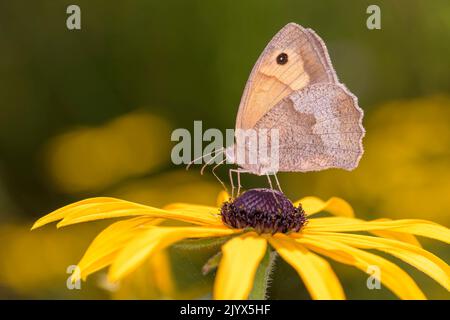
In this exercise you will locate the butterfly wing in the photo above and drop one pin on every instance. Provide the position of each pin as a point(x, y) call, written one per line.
point(321, 49)
point(270, 81)
point(319, 127)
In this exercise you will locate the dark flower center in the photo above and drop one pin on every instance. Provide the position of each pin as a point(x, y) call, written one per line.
point(265, 210)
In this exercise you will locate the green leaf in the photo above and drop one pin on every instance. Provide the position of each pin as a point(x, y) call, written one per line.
point(212, 263)
point(197, 244)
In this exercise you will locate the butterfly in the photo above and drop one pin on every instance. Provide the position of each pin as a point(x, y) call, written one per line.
point(294, 104)
point(293, 88)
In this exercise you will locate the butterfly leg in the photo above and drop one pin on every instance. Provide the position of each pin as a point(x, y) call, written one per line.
point(201, 158)
point(238, 173)
point(270, 181)
point(230, 173)
point(210, 161)
point(278, 182)
point(271, 187)
point(239, 182)
point(217, 177)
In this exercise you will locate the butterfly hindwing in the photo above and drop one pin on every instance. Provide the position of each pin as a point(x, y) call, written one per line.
point(319, 127)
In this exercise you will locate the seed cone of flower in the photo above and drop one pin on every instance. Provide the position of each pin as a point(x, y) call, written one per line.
point(265, 210)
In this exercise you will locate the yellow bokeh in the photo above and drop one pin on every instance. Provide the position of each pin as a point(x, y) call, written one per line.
point(91, 159)
point(33, 264)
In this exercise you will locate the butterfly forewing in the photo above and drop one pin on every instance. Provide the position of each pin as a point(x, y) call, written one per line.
point(270, 81)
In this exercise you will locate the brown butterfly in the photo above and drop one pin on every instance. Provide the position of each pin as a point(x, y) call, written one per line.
point(293, 88)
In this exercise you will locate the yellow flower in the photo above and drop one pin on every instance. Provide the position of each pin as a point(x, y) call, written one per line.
point(248, 238)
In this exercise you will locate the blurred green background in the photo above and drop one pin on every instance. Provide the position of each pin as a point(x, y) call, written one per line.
point(90, 112)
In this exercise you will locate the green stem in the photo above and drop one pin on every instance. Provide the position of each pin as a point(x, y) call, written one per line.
point(197, 244)
point(262, 276)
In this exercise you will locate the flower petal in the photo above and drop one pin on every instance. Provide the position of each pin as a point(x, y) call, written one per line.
point(415, 256)
point(160, 267)
point(323, 223)
point(153, 240)
point(317, 274)
point(222, 197)
point(212, 213)
point(237, 268)
point(411, 226)
point(62, 212)
point(103, 250)
point(393, 277)
point(103, 208)
point(400, 236)
point(334, 205)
